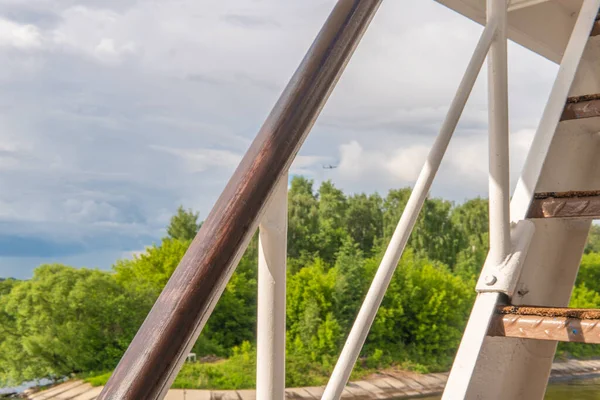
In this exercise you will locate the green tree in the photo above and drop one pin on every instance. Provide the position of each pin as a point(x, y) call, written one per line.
point(150, 271)
point(351, 284)
point(234, 317)
point(332, 206)
point(593, 244)
point(582, 297)
point(303, 218)
point(67, 320)
point(471, 219)
point(9, 335)
point(313, 332)
point(393, 206)
point(184, 225)
point(364, 220)
point(589, 272)
point(434, 235)
point(233, 320)
point(309, 299)
point(422, 315)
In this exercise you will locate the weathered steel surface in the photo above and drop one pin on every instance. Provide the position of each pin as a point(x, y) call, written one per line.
point(541, 323)
point(566, 205)
point(550, 312)
point(155, 356)
point(587, 106)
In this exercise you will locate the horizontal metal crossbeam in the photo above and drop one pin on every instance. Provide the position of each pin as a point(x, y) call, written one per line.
point(579, 107)
point(587, 106)
point(574, 204)
point(542, 323)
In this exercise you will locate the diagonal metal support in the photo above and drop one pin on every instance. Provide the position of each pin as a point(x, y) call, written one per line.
point(519, 369)
point(386, 269)
point(156, 354)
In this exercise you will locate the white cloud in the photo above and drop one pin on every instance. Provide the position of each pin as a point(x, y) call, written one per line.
point(114, 112)
point(465, 164)
point(19, 36)
point(405, 163)
point(401, 165)
point(305, 165)
point(108, 52)
point(198, 160)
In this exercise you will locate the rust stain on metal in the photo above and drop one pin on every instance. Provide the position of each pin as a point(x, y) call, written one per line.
point(585, 97)
point(547, 323)
point(569, 194)
point(574, 204)
point(546, 328)
point(578, 313)
point(578, 108)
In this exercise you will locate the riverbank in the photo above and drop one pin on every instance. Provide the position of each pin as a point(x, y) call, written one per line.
point(389, 384)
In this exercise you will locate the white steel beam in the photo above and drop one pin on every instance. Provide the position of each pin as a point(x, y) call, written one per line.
point(470, 346)
point(499, 190)
point(559, 160)
point(272, 252)
point(390, 260)
point(542, 140)
point(499, 177)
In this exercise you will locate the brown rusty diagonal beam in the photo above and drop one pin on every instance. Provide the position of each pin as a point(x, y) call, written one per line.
point(579, 107)
point(541, 323)
point(583, 204)
point(157, 352)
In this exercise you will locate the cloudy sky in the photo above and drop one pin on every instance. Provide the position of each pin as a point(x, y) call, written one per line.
point(114, 112)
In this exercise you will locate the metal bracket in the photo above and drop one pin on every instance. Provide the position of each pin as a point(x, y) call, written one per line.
point(503, 278)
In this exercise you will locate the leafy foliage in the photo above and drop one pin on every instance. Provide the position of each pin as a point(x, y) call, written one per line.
point(582, 297)
point(589, 272)
point(593, 245)
point(184, 225)
point(66, 320)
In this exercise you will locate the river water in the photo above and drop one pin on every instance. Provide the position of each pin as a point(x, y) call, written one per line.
point(578, 390)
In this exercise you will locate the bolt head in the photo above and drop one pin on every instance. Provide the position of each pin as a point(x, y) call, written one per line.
point(490, 280)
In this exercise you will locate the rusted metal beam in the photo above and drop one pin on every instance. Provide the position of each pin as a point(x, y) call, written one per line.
point(583, 204)
point(587, 106)
point(157, 352)
point(541, 323)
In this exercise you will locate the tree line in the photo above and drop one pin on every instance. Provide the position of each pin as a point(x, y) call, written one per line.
point(69, 320)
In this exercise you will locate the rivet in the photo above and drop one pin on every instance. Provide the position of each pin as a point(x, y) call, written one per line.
point(490, 280)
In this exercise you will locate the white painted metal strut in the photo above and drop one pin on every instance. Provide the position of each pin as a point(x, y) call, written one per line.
point(542, 140)
point(272, 253)
point(390, 260)
point(470, 346)
point(499, 192)
point(499, 178)
point(518, 369)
